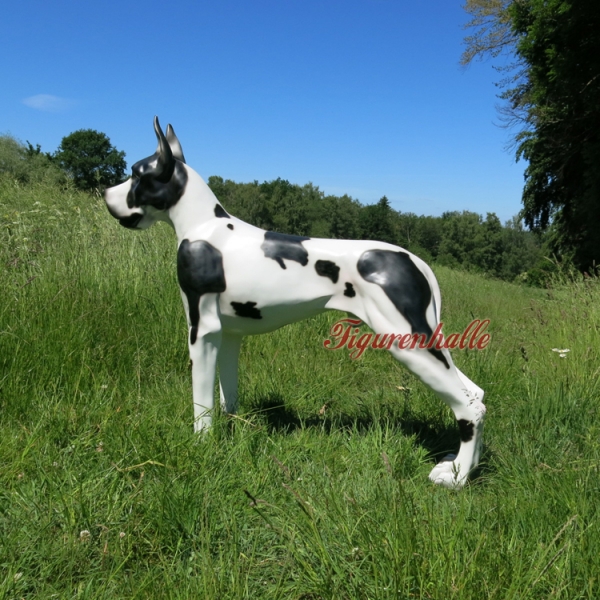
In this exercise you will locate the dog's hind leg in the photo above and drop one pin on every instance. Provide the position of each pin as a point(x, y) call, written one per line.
point(470, 417)
point(228, 371)
point(454, 388)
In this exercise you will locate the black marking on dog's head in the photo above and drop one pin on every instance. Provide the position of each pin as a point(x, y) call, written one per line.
point(404, 284)
point(248, 310)
point(327, 268)
point(466, 429)
point(280, 246)
point(221, 212)
point(349, 291)
point(199, 271)
point(230, 226)
point(160, 179)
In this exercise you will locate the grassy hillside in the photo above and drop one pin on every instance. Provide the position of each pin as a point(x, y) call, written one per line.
point(318, 489)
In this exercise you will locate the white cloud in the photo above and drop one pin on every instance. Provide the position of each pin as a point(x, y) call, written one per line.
point(48, 103)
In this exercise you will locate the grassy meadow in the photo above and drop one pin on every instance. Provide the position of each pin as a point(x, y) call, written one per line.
point(318, 489)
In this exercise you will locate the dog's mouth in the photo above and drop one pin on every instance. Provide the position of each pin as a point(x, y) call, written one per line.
point(131, 221)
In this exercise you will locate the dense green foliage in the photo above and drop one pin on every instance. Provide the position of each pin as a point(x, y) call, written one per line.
point(90, 159)
point(552, 93)
point(105, 492)
point(559, 42)
point(25, 163)
point(457, 239)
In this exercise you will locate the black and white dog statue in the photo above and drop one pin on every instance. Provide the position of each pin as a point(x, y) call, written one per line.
point(237, 280)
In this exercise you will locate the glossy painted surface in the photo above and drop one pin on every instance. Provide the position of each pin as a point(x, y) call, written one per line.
point(405, 286)
point(280, 246)
point(237, 280)
point(327, 268)
point(220, 212)
point(199, 271)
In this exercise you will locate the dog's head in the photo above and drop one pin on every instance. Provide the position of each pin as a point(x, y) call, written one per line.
point(156, 184)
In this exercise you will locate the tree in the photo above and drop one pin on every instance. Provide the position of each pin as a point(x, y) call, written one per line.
point(554, 98)
point(377, 221)
point(559, 40)
point(90, 159)
point(343, 214)
point(493, 33)
point(522, 252)
point(459, 244)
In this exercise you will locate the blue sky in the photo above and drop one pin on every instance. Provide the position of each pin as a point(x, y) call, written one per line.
point(364, 97)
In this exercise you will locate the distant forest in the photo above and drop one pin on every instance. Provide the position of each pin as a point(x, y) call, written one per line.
point(462, 240)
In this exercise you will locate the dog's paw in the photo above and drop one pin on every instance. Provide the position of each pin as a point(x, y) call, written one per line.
point(448, 473)
point(203, 424)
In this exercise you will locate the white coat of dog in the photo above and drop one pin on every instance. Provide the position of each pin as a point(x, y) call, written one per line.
point(237, 280)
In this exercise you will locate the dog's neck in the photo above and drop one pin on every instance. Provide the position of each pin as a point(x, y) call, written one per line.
point(195, 207)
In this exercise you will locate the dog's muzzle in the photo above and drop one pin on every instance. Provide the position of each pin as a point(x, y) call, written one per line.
point(116, 202)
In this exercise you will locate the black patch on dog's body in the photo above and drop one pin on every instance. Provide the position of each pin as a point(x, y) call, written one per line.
point(349, 291)
point(200, 271)
point(327, 268)
point(280, 246)
point(404, 285)
point(466, 429)
point(230, 226)
point(220, 212)
point(246, 310)
point(149, 187)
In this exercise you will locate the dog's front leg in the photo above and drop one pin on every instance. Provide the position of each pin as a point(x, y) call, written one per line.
point(204, 349)
point(228, 372)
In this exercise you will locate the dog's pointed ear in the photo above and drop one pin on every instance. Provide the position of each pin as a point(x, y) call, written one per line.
point(174, 144)
point(166, 161)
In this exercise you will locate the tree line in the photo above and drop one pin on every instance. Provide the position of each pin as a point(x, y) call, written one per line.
point(550, 93)
point(85, 157)
point(458, 239)
point(464, 240)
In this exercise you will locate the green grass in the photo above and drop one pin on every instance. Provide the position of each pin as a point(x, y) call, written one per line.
point(318, 489)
